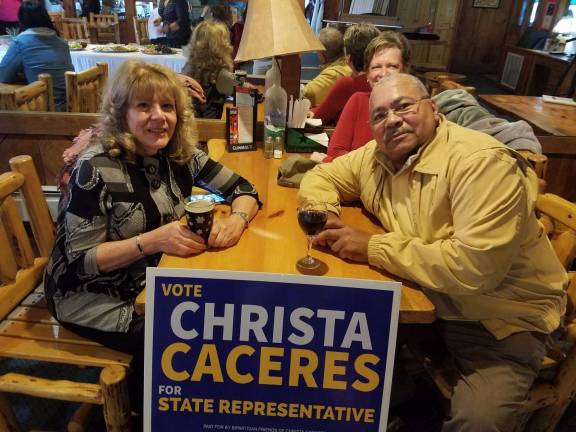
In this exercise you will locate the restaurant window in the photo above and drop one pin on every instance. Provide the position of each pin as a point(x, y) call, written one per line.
point(144, 8)
point(533, 13)
point(522, 15)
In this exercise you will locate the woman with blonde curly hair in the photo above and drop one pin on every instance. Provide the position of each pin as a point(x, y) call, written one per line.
point(122, 210)
point(210, 63)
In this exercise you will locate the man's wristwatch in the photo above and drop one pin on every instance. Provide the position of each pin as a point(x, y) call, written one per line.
point(243, 215)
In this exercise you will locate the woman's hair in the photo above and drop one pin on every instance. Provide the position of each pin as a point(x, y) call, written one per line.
point(356, 39)
point(209, 51)
point(33, 14)
point(389, 39)
point(222, 13)
point(135, 79)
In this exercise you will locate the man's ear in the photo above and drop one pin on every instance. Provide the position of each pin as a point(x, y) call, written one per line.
point(434, 108)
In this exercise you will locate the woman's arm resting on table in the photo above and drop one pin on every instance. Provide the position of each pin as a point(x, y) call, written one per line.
point(173, 238)
point(227, 231)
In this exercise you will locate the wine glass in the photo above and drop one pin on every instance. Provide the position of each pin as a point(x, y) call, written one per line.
point(312, 216)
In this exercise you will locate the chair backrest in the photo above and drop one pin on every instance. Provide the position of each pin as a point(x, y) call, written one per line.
point(84, 89)
point(106, 27)
point(21, 262)
point(75, 29)
point(539, 162)
point(141, 31)
point(445, 83)
point(558, 216)
point(36, 96)
point(56, 18)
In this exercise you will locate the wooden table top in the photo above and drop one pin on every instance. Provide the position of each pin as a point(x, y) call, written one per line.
point(548, 118)
point(274, 241)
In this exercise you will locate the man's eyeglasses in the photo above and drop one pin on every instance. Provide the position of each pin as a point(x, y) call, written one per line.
point(381, 117)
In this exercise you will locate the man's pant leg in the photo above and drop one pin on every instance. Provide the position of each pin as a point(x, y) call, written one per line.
point(495, 376)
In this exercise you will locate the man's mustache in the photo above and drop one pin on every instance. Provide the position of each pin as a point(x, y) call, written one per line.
point(390, 135)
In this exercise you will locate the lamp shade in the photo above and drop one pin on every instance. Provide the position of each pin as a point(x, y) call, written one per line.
point(566, 24)
point(275, 28)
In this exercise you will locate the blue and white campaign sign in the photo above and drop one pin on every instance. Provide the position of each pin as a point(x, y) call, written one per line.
point(267, 352)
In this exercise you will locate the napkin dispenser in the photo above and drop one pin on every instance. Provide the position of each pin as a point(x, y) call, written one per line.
point(298, 142)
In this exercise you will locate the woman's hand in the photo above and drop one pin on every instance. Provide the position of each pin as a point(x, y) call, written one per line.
point(174, 239)
point(194, 88)
point(226, 232)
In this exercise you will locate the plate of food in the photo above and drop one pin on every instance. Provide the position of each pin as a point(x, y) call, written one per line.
point(116, 48)
point(157, 50)
point(77, 45)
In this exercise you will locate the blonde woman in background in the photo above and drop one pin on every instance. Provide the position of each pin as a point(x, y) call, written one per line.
point(210, 63)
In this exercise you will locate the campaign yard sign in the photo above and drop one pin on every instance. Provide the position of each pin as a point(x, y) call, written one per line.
point(238, 351)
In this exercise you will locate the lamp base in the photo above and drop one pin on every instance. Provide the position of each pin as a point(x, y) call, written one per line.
point(290, 71)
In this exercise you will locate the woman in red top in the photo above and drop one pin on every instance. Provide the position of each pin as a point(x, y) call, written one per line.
point(386, 54)
point(356, 38)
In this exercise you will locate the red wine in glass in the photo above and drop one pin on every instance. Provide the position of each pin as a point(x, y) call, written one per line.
point(312, 216)
point(312, 221)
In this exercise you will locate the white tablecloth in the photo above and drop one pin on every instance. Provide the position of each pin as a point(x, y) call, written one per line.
point(87, 58)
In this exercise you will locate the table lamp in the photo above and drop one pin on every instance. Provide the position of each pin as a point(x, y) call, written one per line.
point(276, 28)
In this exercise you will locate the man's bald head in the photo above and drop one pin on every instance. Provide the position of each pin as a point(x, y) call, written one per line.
point(333, 41)
point(410, 80)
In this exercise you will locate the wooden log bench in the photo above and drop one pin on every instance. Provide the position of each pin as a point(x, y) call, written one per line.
point(27, 331)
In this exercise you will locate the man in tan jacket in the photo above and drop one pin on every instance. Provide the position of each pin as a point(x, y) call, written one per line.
point(458, 208)
point(333, 66)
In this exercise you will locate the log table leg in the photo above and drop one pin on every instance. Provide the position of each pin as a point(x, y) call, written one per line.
point(116, 401)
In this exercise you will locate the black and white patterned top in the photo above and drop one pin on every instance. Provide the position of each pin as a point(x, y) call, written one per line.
point(111, 199)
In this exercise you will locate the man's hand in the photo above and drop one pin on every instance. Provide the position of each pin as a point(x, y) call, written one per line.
point(318, 157)
point(344, 241)
point(194, 88)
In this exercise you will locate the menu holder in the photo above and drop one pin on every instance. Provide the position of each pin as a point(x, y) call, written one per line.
point(241, 120)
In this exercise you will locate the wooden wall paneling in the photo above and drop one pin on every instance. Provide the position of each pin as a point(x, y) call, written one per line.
point(479, 38)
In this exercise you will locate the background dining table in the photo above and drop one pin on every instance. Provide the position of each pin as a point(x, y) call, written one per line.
point(89, 56)
point(274, 241)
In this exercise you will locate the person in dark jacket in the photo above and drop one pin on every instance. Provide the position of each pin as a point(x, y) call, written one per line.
point(175, 22)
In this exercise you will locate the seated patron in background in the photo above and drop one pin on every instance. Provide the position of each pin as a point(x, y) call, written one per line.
point(390, 53)
point(333, 66)
point(210, 63)
point(386, 54)
point(175, 22)
point(36, 50)
point(458, 210)
point(123, 207)
point(356, 39)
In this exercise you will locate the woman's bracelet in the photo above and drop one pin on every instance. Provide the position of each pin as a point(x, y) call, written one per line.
point(243, 215)
point(139, 246)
